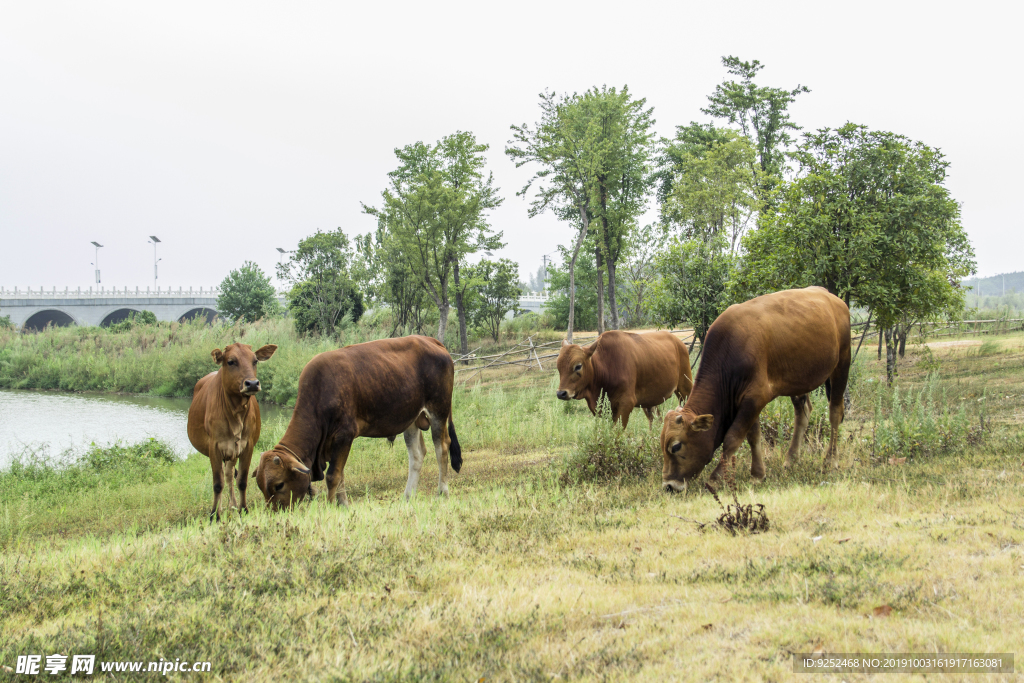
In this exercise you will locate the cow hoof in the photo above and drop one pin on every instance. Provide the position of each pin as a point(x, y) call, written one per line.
point(757, 477)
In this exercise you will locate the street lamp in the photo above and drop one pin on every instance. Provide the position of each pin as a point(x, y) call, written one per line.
point(154, 240)
point(96, 262)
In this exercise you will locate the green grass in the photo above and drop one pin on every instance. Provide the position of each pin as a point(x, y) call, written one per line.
point(524, 573)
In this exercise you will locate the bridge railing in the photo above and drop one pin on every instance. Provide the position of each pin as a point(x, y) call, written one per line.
point(112, 293)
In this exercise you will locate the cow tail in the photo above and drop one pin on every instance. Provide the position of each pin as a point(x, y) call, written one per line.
point(454, 449)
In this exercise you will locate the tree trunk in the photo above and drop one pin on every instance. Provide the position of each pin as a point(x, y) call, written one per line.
point(903, 339)
point(881, 332)
point(442, 325)
point(460, 307)
point(572, 272)
point(600, 290)
point(611, 295)
point(890, 354)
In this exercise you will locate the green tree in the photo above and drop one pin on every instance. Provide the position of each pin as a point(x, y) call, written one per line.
point(247, 294)
point(713, 190)
point(495, 293)
point(381, 270)
point(691, 283)
point(594, 156)
point(435, 210)
point(637, 273)
point(583, 306)
point(322, 293)
point(762, 114)
point(871, 221)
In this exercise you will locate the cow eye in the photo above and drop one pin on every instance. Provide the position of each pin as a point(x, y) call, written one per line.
point(232, 362)
point(579, 366)
point(279, 486)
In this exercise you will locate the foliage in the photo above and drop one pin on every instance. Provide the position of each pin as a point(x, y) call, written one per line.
point(434, 216)
point(134, 319)
point(762, 113)
point(870, 220)
point(607, 452)
point(920, 423)
point(713, 189)
point(691, 283)
point(382, 271)
point(322, 293)
point(593, 151)
point(495, 293)
point(583, 307)
point(637, 274)
point(247, 294)
point(5, 323)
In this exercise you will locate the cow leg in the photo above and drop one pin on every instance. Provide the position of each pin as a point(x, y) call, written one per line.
point(336, 474)
point(229, 479)
point(738, 431)
point(217, 465)
point(243, 477)
point(756, 451)
point(622, 408)
point(439, 435)
point(802, 418)
point(650, 416)
point(417, 449)
point(836, 408)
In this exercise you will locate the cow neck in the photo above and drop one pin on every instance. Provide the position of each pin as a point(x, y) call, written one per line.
point(597, 380)
point(302, 437)
point(235, 403)
point(711, 396)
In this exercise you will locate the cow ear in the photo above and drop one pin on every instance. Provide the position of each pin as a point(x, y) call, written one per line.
point(218, 357)
point(590, 349)
point(265, 352)
point(277, 459)
point(565, 342)
point(702, 423)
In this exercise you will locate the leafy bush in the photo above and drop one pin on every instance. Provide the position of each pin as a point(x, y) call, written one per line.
point(247, 294)
point(117, 456)
point(918, 425)
point(5, 323)
point(607, 452)
point(193, 366)
point(134, 319)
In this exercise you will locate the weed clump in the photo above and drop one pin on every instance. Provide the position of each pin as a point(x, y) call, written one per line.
point(607, 452)
point(751, 519)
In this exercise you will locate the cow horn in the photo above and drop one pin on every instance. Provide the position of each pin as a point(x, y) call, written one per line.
point(277, 459)
point(300, 469)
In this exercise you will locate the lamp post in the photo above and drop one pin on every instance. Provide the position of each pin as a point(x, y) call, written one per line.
point(154, 240)
point(96, 262)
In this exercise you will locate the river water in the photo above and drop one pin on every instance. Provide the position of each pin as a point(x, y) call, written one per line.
point(61, 426)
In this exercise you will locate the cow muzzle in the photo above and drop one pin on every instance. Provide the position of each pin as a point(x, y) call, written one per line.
point(674, 486)
point(250, 386)
point(562, 395)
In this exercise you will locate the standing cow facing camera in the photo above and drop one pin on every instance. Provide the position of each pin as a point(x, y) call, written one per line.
point(224, 418)
point(634, 370)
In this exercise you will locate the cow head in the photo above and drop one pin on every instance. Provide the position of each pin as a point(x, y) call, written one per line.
point(282, 478)
point(575, 369)
point(686, 444)
point(238, 366)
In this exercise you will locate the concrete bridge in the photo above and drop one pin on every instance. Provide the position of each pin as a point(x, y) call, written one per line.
point(34, 309)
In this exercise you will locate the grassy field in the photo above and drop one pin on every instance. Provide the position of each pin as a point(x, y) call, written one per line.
point(524, 573)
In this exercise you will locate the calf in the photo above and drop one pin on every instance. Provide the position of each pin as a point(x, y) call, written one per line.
point(224, 418)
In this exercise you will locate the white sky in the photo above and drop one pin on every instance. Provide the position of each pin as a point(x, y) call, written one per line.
point(229, 129)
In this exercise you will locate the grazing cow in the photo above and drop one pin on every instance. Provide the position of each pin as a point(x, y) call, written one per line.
point(782, 344)
point(224, 418)
point(377, 389)
point(631, 369)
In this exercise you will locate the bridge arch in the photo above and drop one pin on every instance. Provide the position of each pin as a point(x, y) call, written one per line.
point(199, 312)
point(49, 316)
point(118, 315)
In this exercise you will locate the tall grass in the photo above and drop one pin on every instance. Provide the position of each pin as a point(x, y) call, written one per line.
point(165, 359)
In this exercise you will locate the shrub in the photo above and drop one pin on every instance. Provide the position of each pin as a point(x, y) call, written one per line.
point(918, 425)
point(247, 294)
point(139, 319)
point(607, 452)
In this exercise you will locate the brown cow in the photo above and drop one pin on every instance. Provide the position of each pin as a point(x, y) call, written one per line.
point(631, 369)
point(782, 344)
point(224, 418)
point(377, 389)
